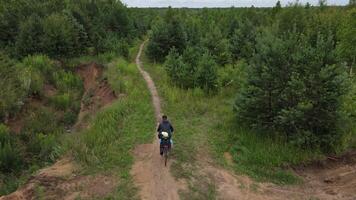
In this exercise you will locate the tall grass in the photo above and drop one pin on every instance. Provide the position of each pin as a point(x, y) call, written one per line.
point(106, 146)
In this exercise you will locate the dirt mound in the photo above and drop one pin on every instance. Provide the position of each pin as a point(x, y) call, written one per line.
point(60, 182)
point(97, 91)
point(332, 178)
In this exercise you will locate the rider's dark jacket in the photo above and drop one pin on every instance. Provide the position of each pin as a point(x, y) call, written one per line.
point(165, 126)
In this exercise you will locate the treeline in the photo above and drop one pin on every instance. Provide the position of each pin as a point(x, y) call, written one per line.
point(297, 63)
point(64, 28)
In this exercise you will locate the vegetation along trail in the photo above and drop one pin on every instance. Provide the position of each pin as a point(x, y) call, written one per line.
point(149, 172)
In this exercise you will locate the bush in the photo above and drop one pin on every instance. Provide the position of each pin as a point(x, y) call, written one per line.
point(165, 35)
point(41, 120)
point(61, 101)
point(207, 74)
point(69, 117)
point(43, 147)
point(4, 134)
point(113, 43)
point(10, 158)
point(12, 90)
point(181, 73)
point(188, 72)
point(231, 75)
point(28, 41)
point(37, 70)
point(40, 63)
point(63, 36)
point(116, 77)
point(65, 81)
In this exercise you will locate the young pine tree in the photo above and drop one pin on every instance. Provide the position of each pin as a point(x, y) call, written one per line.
point(294, 88)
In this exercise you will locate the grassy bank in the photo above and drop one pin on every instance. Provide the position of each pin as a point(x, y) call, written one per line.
point(105, 147)
point(206, 125)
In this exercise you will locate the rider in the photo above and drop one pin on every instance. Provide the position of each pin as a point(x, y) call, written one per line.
point(165, 126)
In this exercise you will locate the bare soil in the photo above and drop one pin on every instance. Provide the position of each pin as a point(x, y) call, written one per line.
point(97, 92)
point(60, 181)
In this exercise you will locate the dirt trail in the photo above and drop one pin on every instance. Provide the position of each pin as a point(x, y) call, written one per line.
point(151, 176)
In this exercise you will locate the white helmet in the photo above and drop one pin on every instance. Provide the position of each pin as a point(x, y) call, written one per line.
point(165, 134)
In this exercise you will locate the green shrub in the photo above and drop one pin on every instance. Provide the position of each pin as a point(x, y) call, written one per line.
point(69, 117)
point(113, 43)
point(43, 147)
point(10, 158)
point(165, 35)
point(61, 101)
point(115, 76)
point(207, 74)
point(180, 72)
point(232, 75)
point(37, 70)
point(4, 134)
point(41, 120)
point(41, 64)
point(63, 36)
point(12, 90)
point(28, 41)
point(65, 81)
point(189, 72)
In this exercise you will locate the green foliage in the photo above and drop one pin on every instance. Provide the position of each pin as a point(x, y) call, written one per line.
point(37, 70)
point(165, 35)
point(12, 87)
point(10, 158)
point(188, 71)
point(41, 120)
point(114, 76)
point(62, 28)
point(346, 46)
point(66, 81)
point(28, 40)
point(180, 72)
point(115, 44)
point(43, 147)
point(61, 36)
point(4, 134)
point(218, 46)
point(61, 101)
point(207, 73)
point(233, 75)
point(295, 88)
point(243, 41)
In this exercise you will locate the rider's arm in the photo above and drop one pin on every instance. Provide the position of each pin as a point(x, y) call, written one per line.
point(159, 128)
point(172, 130)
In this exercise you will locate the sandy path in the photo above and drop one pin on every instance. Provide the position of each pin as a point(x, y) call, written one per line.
point(150, 175)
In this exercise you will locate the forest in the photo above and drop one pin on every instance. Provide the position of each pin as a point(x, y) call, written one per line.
point(288, 74)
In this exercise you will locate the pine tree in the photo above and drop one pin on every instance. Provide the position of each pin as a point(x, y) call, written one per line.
point(295, 88)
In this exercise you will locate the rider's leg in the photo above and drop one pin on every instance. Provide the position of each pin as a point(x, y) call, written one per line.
point(160, 149)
